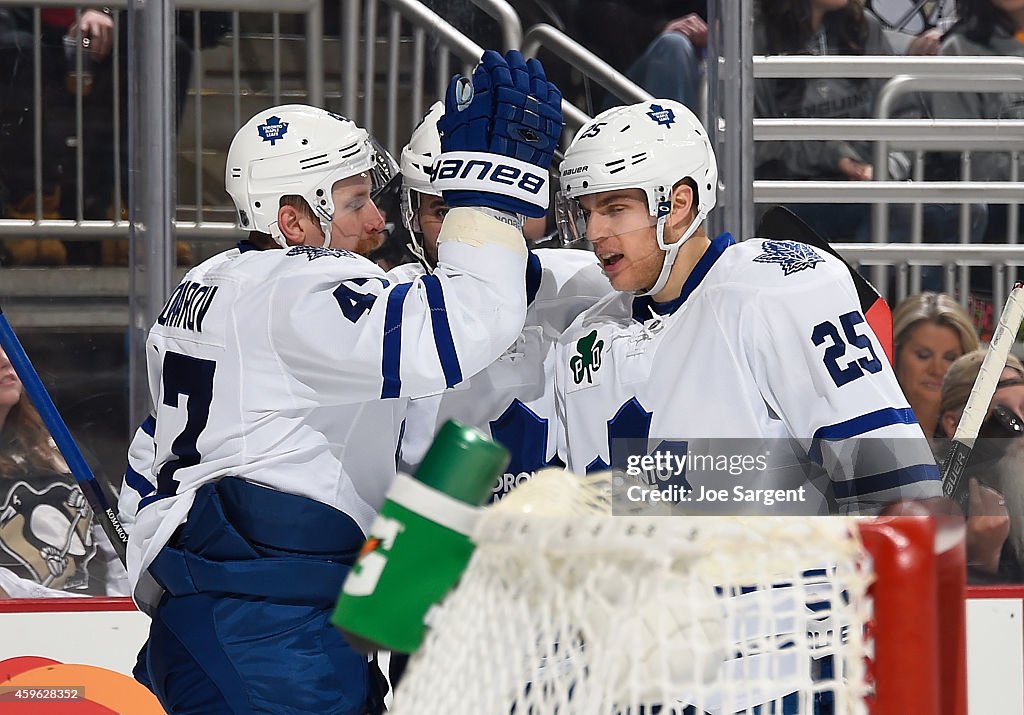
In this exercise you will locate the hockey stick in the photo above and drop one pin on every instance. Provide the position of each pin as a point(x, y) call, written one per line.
point(80, 470)
point(779, 223)
point(954, 485)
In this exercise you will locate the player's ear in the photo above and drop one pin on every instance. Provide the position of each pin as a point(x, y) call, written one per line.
point(289, 220)
point(682, 202)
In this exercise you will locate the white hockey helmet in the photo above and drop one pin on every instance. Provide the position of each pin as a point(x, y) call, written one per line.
point(650, 146)
point(416, 163)
point(296, 149)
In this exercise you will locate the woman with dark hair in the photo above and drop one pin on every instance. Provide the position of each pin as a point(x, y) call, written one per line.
point(49, 542)
point(833, 27)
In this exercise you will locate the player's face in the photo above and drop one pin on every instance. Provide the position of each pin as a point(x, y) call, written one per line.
point(10, 387)
point(358, 225)
point(923, 360)
point(432, 210)
point(622, 231)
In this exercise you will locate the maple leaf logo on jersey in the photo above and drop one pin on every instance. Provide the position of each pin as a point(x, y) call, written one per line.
point(273, 130)
point(588, 361)
point(793, 257)
point(314, 252)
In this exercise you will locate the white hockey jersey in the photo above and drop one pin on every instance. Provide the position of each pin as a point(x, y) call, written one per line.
point(765, 349)
point(513, 399)
point(292, 369)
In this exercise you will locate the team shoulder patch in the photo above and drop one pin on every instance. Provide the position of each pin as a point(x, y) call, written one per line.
point(791, 256)
point(314, 252)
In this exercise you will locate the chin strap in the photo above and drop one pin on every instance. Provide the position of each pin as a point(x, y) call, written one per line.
point(416, 248)
point(275, 233)
point(671, 249)
point(327, 233)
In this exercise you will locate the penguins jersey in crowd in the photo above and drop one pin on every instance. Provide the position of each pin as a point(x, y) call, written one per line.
point(766, 345)
point(513, 399)
point(292, 369)
point(48, 534)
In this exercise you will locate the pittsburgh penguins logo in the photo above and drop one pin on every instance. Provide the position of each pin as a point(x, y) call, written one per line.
point(44, 534)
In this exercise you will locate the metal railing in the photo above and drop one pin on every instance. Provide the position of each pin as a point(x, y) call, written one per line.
point(426, 24)
point(79, 228)
point(566, 48)
point(508, 18)
point(905, 75)
point(412, 39)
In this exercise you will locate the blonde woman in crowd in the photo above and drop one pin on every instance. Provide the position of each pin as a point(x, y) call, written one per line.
point(930, 331)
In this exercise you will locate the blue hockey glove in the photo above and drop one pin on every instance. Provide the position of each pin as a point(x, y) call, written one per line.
point(498, 133)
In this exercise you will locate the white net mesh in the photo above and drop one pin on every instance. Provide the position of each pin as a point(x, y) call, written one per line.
point(600, 614)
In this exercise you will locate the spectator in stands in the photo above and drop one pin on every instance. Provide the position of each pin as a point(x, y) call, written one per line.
point(99, 200)
point(673, 32)
point(834, 27)
point(995, 538)
point(985, 28)
point(930, 331)
point(49, 543)
point(914, 27)
point(95, 28)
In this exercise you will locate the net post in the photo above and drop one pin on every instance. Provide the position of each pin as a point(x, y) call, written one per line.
point(905, 667)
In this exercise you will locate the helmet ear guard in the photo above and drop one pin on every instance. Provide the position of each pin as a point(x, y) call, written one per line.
point(650, 146)
point(300, 150)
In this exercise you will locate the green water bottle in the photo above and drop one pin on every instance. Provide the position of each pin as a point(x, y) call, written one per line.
point(419, 545)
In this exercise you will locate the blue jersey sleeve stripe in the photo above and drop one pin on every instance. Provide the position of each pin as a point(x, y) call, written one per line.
point(146, 501)
point(149, 425)
point(888, 480)
point(859, 425)
point(138, 482)
point(534, 274)
point(442, 331)
point(391, 357)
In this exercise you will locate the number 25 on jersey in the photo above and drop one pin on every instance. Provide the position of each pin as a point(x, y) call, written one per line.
point(837, 344)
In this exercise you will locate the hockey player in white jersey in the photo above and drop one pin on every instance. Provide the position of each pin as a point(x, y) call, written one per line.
point(710, 342)
point(280, 380)
point(512, 399)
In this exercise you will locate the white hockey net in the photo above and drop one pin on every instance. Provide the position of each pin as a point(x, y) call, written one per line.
point(603, 614)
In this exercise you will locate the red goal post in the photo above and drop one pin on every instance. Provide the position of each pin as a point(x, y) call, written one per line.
point(918, 627)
